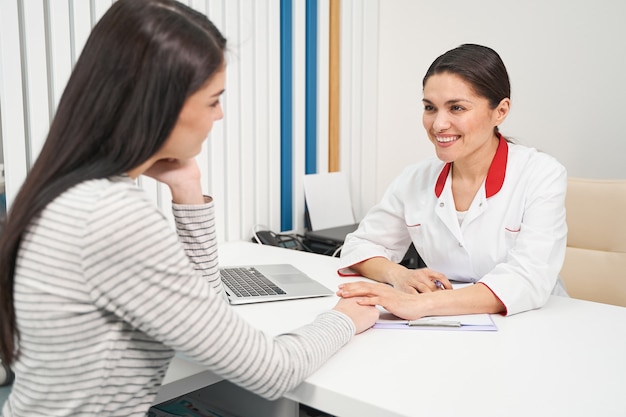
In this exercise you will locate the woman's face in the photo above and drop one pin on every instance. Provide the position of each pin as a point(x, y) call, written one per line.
point(459, 122)
point(195, 120)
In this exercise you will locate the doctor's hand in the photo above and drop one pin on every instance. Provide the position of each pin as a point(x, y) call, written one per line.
point(399, 303)
point(407, 280)
point(181, 176)
point(418, 280)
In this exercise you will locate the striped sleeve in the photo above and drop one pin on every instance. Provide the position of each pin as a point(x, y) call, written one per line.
point(195, 225)
point(168, 287)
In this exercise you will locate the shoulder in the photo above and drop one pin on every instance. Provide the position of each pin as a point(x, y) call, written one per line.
point(531, 159)
point(96, 189)
point(536, 169)
point(96, 198)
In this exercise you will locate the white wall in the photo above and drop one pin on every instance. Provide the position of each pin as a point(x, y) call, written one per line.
point(566, 62)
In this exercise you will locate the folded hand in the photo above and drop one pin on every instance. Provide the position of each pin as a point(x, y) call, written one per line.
point(400, 303)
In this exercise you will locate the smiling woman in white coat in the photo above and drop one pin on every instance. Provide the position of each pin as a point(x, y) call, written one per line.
point(484, 211)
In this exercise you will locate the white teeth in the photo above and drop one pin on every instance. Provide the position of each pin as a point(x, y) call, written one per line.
point(447, 139)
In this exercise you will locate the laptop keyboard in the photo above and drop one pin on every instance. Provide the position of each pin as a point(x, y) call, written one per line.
point(249, 282)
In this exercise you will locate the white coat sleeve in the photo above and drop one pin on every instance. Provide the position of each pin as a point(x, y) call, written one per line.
point(528, 276)
point(383, 231)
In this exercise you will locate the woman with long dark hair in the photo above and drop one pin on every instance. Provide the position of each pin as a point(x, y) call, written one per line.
point(96, 291)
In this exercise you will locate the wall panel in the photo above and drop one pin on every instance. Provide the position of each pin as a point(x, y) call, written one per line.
point(299, 109)
point(59, 48)
point(12, 111)
point(359, 101)
point(323, 80)
point(37, 80)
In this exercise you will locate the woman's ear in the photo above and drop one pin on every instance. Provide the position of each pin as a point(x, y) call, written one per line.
point(502, 110)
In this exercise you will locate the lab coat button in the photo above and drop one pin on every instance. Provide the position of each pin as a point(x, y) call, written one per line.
point(441, 204)
point(460, 245)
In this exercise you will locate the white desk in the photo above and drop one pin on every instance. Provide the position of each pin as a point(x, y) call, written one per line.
point(566, 359)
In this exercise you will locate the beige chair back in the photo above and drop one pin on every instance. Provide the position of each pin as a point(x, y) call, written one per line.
point(595, 260)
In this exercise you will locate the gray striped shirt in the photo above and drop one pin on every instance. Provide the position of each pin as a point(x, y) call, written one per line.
point(105, 292)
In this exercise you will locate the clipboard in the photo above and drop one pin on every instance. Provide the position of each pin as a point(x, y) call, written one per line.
point(465, 322)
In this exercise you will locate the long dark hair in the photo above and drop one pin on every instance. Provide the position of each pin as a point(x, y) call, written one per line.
point(478, 65)
point(141, 61)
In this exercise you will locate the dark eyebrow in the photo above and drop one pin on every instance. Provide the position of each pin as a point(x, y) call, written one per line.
point(449, 102)
point(219, 93)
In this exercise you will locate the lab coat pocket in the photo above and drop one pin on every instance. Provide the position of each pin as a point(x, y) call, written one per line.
point(417, 230)
point(510, 236)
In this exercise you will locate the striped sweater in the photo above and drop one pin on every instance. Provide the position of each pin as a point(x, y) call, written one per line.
point(106, 292)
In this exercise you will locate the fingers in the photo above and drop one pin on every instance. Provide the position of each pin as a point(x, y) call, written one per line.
point(441, 283)
point(368, 289)
point(427, 280)
point(434, 285)
point(437, 277)
point(361, 289)
point(367, 301)
point(375, 294)
point(427, 286)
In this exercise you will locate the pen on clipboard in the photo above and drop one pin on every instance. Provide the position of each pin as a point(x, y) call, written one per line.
point(434, 322)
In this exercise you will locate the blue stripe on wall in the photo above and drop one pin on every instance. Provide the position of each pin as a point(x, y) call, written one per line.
point(286, 104)
point(286, 120)
point(311, 88)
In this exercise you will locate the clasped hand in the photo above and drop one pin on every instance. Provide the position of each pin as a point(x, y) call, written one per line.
point(404, 294)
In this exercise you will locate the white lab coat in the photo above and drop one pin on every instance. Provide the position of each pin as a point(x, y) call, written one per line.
point(512, 238)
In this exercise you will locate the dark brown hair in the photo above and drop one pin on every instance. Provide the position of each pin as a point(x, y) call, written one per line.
point(479, 66)
point(142, 60)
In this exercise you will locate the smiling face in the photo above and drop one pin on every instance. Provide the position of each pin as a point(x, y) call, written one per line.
point(459, 122)
point(195, 120)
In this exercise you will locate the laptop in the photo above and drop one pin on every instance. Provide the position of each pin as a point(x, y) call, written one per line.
point(261, 283)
